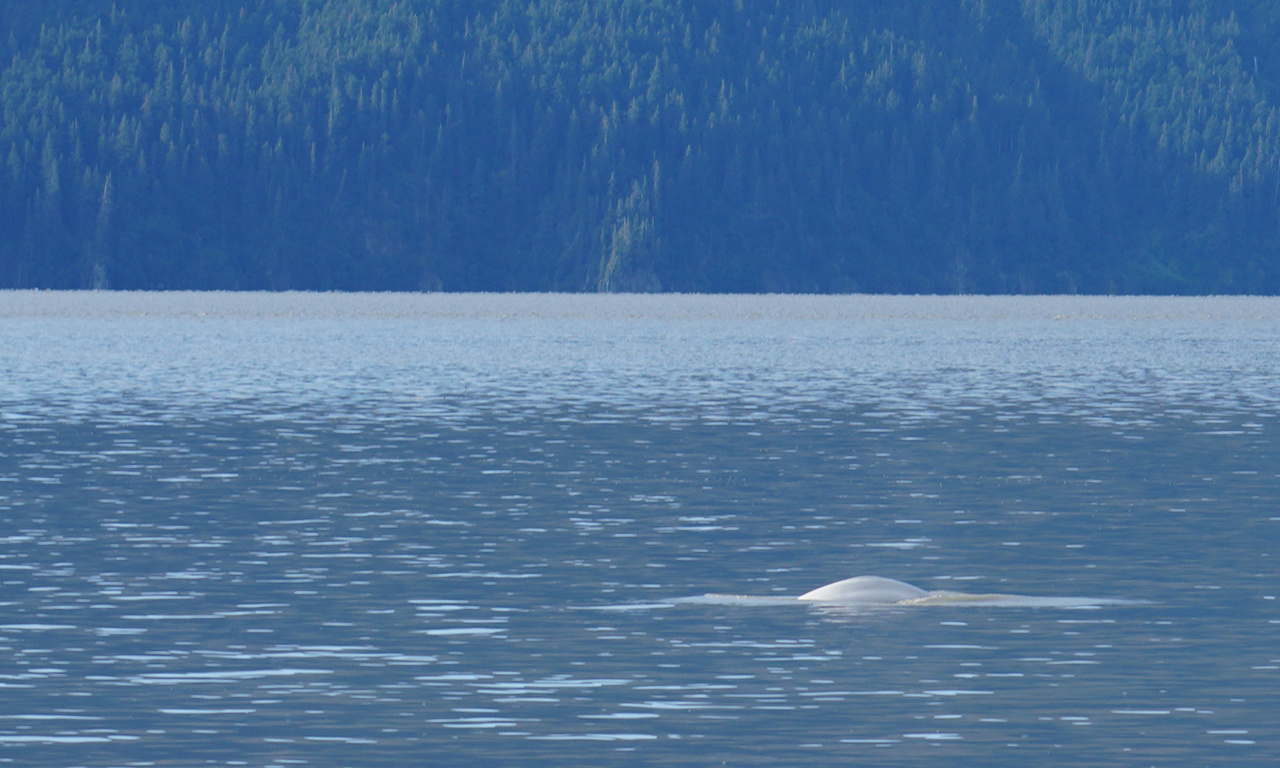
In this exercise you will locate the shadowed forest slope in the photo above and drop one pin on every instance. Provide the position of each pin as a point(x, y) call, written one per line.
point(993, 146)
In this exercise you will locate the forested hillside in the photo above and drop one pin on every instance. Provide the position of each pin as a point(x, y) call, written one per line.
point(638, 145)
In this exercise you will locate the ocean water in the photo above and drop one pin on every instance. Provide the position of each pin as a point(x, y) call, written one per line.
point(386, 530)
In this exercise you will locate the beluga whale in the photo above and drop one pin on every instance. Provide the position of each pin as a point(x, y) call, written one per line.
point(866, 594)
point(865, 590)
point(872, 591)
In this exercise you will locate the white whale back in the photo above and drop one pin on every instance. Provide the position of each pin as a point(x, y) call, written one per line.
point(866, 590)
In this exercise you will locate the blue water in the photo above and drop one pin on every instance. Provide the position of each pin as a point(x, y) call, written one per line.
point(329, 530)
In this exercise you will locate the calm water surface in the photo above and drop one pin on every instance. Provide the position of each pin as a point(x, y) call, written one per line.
point(396, 530)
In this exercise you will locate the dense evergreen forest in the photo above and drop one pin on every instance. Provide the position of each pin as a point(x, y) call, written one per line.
point(944, 146)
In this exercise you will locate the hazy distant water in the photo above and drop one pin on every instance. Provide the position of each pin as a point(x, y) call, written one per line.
point(390, 530)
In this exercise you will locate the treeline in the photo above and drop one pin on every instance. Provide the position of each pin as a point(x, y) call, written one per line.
point(638, 145)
